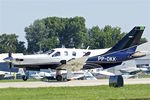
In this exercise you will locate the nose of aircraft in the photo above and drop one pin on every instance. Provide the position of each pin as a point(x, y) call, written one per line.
point(8, 59)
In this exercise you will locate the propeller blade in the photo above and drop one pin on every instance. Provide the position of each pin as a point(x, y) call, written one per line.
point(10, 66)
point(9, 54)
point(9, 59)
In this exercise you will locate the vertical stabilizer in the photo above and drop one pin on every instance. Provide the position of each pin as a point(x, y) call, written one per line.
point(129, 40)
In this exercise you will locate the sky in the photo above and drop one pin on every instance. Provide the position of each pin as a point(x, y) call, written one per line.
point(15, 15)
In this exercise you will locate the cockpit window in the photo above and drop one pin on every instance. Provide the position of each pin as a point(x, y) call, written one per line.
point(65, 53)
point(56, 54)
point(73, 53)
point(50, 52)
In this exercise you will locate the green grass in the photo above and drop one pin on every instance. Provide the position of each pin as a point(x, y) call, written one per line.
point(77, 93)
point(146, 76)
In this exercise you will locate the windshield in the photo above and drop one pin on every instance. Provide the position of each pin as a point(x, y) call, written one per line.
point(56, 54)
point(50, 52)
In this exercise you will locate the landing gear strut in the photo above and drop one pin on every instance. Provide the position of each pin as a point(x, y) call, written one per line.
point(25, 75)
point(59, 76)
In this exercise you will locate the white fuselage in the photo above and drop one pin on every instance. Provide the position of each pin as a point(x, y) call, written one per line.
point(54, 56)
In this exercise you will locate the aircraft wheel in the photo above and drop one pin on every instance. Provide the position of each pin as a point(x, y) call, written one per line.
point(59, 78)
point(25, 78)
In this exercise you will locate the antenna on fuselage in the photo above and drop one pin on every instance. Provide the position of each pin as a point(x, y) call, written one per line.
point(62, 46)
point(87, 48)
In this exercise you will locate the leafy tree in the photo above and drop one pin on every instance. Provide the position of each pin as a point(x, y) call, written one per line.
point(104, 38)
point(34, 34)
point(96, 38)
point(10, 43)
point(54, 32)
point(143, 40)
point(20, 47)
point(47, 44)
point(74, 33)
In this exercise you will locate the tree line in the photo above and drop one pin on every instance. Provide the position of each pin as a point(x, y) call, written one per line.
point(54, 32)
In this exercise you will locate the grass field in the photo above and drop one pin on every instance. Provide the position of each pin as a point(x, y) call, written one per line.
point(77, 93)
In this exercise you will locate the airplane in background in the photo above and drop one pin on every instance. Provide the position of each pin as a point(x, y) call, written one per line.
point(145, 69)
point(100, 73)
point(62, 58)
point(6, 75)
point(74, 75)
point(133, 71)
point(43, 75)
point(129, 72)
point(13, 75)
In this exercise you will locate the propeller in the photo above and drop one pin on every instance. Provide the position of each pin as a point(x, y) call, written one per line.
point(9, 54)
point(10, 63)
point(9, 60)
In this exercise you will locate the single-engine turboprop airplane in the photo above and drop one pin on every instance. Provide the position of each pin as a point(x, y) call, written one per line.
point(52, 59)
point(63, 58)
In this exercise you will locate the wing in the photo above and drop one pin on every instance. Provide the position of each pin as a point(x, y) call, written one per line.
point(74, 64)
point(106, 73)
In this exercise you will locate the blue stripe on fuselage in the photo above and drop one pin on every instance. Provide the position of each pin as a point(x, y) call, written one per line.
point(113, 57)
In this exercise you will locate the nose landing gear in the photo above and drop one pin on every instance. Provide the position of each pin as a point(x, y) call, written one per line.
point(25, 77)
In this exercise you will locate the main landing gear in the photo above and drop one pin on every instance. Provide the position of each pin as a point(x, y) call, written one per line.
point(65, 76)
point(59, 77)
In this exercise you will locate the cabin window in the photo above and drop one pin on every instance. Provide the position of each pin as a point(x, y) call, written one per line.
point(73, 53)
point(65, 53)
point(56, 54)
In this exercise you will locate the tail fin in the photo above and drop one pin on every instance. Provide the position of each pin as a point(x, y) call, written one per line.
point(129, 40)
